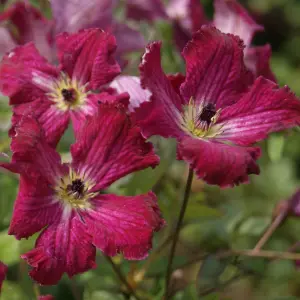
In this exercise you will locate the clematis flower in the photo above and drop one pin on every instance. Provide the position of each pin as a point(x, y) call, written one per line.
point(231, 17)
point(46, 297)
point(3, 271)
point(72, 16)
point(58, 94)
point(66, 200)
point(187, 16)
point(22, 23)
point(212, 112)
point(26, 24)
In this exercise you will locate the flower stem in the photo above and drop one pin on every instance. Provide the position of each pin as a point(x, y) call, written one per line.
point(122, 278)
point(177, 230)
point(276, 222)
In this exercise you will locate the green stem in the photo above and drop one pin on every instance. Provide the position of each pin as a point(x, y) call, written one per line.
point(122, 278)
point(177, 230)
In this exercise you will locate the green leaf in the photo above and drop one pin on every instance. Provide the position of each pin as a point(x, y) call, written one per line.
point(254, 226)
point(210, 272)
point(12, 291)
point(9, 248)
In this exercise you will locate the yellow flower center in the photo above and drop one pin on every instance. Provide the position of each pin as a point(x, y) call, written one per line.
point(74, 190)
point(199, 121)
point(67, 93)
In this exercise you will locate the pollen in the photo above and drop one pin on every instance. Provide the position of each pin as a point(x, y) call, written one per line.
point(68, 93)
point(200, 120)
point(74, 190)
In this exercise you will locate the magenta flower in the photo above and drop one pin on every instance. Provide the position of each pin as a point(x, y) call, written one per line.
point(231, 17)
point(26, 24)
point(58, 94)
point(212, 112)
point(66, 200)
point(3, 271)
point(72, 16)
point(46, 297)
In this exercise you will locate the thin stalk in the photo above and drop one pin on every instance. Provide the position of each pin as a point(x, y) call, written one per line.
point(177, 230)
point(122, 278)
point(276, 222)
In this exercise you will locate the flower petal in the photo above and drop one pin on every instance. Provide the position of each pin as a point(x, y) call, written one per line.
point(25, 75)
point(145, 10)
point(7, 42)
point(107, 155)
point(131, 85)
point(265, 108)
point(35, 207)
point(88, 56)
point(3, 271)
point(53, 121)
point(218, 163)
point(120, 224)
point(164, 116)
point(205, 80)
point(71, 16)
point(257, 59)
point(29, 147)
point(62, 247)
point(231, 17)
point(46, 297)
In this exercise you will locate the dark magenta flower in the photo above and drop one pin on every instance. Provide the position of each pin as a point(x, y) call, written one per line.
point(71, 16)
point(28, 24)
point(57, 94)
point(3, 271)
point(187, 16)
point(231, 17)
point(23, 23)
point(67, 202)
point(212, 112)
point(46, 297)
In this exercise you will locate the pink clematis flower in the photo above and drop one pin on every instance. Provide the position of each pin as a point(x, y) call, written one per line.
point(231, 17)
point(25, 24)
point(58, 94)
point(66, 200)
point(188, 16)
point(3, 271)
point(46, 297)
point(212, 112)
point(71, 16)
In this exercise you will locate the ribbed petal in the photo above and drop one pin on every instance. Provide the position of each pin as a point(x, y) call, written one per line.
point(3, 270)
point(231, 17)
point(257, 59)
point(30, 148)
point(25, 75)
point(206, 81)
point(131, 85)
point(107, 155)
point(62, 247)
point(53, 121)
point(120, 224)
point(71, 16)
point(265, 108)
point(88, 56)
point(149, 10)
point(163, 118)
point(218, 163)
point(35, 206)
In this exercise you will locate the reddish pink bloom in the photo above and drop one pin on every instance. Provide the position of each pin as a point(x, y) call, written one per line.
point(212, 112)
point(3, 271)
point(58, 94)
point(231, 17)
point(26, 24)
point(65, 200)
point(46, 297)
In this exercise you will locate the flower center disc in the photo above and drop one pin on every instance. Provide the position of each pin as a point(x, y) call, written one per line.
point(69, 95)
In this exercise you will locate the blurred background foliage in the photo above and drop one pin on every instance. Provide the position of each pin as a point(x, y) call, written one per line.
point(215, 219)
